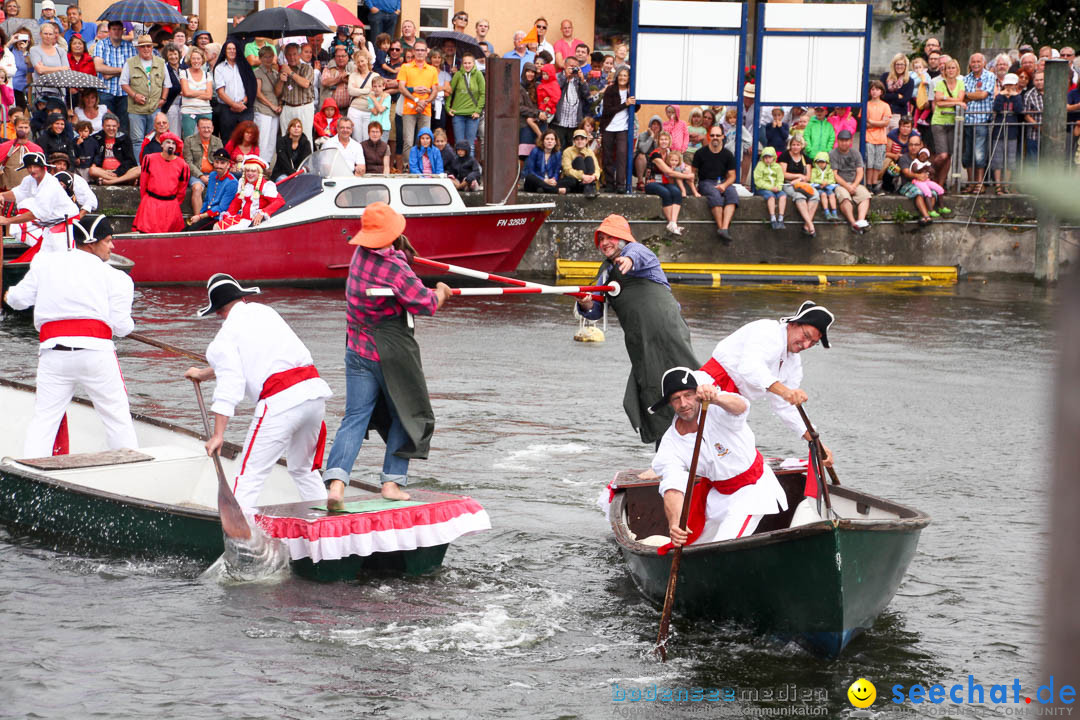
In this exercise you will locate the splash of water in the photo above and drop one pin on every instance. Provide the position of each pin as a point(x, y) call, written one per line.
point(259, 558)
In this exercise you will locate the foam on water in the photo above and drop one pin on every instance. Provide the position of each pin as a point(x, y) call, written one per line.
point(538, 456)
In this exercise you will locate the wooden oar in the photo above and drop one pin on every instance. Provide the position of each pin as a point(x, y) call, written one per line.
point(815, 436)
point(166, 346)
point(676, 558)
point(233, 521)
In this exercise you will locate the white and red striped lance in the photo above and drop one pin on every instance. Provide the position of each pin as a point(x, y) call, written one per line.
point(576, 290)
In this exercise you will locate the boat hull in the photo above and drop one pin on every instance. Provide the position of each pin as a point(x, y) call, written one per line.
point(90, 521)
point(318, 250)
point(403, 562)
point(820, 584)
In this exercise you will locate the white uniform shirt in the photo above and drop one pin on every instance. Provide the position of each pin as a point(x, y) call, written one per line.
point(728, 448)
point(76, 285)
point(353, 152)
point(84, 196)
point(47, 199)
point(756, 356)
point(254, 343)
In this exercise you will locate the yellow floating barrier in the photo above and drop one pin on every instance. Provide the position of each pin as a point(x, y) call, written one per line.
point(718, 274)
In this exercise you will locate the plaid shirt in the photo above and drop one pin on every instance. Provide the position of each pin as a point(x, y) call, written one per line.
point(115, 57)
point(978, 111)
point(1033, 106)
point(385, 267)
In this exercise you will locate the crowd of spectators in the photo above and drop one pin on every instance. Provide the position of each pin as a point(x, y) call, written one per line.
point(388, 101)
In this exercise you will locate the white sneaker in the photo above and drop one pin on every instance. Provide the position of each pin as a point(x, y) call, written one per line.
point(805, 513)
point(862, 224)
point(674, 229)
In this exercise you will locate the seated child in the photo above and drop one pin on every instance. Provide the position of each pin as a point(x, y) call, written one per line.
point(769, 184)
point(325, 124)
point(823, 179)
point(447, 152)
point(463, 168)
point(85, 148)
point(677, 162)
point(928, 187)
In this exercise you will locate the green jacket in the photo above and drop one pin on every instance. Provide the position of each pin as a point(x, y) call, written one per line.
point(467, 91)
point(768, 177)
point(819, 136)
point(822, 177)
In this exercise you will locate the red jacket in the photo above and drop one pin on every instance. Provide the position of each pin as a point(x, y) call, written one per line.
point(324, 126)
point(84, 65)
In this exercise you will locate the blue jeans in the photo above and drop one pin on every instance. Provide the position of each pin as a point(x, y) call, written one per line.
point(768, 194)
point(364, 383)
point(975, 147)
point(140, 125)
point(465, 129)
point(382, 22)
point(668, 193)
point(117, 105)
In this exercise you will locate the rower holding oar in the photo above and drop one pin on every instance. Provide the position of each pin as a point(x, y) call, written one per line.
point(656, 335)
point(761, 360)
point(736, 488)
point(257, 356)
point(80, 303)
point(384, 381)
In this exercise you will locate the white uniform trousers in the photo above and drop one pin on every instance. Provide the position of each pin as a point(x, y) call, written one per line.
point(305, 112)
point(59, 373)
point(728, 526)
point(294, 432)
point(268, 135)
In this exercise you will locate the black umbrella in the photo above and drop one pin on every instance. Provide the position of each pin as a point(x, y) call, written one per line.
point(70, 79)
point(465, 43)
point(279, 22)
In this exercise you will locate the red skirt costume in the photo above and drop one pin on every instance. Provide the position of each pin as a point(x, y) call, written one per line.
point(162, 186)
point(251, 198)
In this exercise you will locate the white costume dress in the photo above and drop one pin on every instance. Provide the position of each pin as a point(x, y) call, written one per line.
point(728, 453)
point(50, 205)
point(79, 302)
point(257, 356)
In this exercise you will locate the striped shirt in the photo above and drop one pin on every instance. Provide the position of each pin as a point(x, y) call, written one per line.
point(385, 267)
point(115, 56)
point(292, 93)
point(1033, 106)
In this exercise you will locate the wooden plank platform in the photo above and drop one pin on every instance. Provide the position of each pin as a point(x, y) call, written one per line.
point(86, 460)
point(308, 510)
point(717, 274)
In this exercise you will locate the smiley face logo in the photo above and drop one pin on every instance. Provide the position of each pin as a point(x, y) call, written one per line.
point(862, 693)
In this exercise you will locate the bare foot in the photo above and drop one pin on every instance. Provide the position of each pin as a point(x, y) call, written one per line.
point(648, 475)
point(391, 491)
point(335, 498)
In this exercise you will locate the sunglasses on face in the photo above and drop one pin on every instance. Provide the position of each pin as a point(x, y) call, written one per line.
point(541, 27)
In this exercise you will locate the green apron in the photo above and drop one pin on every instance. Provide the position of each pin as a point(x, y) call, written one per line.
point(657, 339)
point(399, 356)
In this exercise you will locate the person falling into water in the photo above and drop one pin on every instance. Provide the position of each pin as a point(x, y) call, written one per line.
point(257, 356)
point(735, 488)
point(761, 360)
point(385, 387)
point(656, 335)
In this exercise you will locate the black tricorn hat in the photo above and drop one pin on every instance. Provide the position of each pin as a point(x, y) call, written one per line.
point(222, 289)
point(674, 380)
point(810, 313)
point(90, 229)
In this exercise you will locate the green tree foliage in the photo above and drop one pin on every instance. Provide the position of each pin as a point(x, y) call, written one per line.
point(1039, 22)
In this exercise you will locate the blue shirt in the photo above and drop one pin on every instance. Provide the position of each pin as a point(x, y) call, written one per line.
point(219, 194)
point(113, 56)
point(528, 57)
point(646, 266)
point(385, 5)
point(88, 32)
point(535, 165)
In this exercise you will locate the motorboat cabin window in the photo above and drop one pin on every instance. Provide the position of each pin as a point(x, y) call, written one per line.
point(425, 195)
point(360, 196)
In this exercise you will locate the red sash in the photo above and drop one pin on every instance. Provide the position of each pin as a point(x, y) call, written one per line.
point(719, 374)
point(283, 381)
point(81, 327)
point(286, 379)
point(695, 521)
